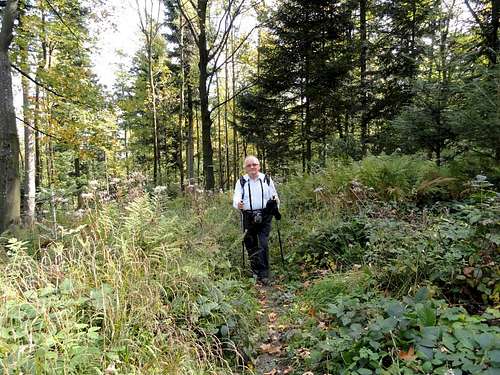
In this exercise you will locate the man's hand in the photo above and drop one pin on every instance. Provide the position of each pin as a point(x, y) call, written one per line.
point(240, 205)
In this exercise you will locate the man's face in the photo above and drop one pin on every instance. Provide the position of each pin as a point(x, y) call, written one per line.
point(252, 167)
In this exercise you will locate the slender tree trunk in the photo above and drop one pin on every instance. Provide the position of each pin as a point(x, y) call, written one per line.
point(219, 139)
point(79, 185)
point(236, 149)
point(206, 122)
point(190, 140)
point(38, 138)
point(10, 199)
point(156, 149)
point(362, 64)
point(180, 160)
point(226, 136)
point(29, 156)
point(198, 154)
point(495, 25)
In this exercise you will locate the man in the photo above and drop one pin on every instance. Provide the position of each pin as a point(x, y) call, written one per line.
point(251, 194)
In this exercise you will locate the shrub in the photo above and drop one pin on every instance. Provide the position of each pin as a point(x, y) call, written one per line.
point(367, 334)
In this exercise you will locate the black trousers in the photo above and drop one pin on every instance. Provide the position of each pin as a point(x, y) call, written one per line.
point(256, 243)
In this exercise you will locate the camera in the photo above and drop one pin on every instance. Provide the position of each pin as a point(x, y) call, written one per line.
point(257, 217)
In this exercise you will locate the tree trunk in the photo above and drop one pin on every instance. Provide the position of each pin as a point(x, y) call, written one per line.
point(198, 155)
point(190, 140)
point(10, 199)
point(219, 139)
point(180, 161)
point(29, 156)
point(206, 122)
point(226, 136)
point(79, 186)
point(494, 43)
point(362, 64)
point(236, 148)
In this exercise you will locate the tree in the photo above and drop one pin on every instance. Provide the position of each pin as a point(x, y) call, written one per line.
point(314, 39)
point(9, 141)
point(486, 14)
point(211, 45)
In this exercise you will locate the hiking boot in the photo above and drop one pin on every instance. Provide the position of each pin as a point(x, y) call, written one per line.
point(264, 281)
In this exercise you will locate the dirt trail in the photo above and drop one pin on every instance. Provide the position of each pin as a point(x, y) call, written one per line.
point(272, 358)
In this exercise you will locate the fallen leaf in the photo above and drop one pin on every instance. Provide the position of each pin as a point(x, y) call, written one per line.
point(272, 372)
point(409, 355)
point(270, 348)
point(288, 370)
point(308, 373)
point(468, 271)
point(304, 353)
point(272, 317)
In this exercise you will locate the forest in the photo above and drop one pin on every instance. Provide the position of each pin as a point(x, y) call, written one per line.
point(379, 122)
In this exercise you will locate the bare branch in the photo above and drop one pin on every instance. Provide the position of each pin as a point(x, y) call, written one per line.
point(189, 23)
point(227, 10)
point(38, 130)
point(217, 68)
point(36, 82)
point(225, 36)
point(476, 17)
point(232, 97)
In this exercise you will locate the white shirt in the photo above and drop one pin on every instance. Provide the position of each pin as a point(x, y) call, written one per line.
point(257, 190)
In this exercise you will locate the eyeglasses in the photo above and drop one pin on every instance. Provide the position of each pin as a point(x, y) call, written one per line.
point(252, 165)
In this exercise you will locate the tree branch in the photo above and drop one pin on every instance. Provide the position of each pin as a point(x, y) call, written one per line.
point(189, 23)
point(232, 97)
point(58, 15)
point(36, 82)
point(38, 130)
point(476, 17)
point(216, 68)
point(227, 10)
point(225, 36)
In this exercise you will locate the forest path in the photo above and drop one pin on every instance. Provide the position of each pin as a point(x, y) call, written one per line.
point(272, 358)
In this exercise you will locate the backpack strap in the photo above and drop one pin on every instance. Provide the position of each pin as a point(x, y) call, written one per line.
point(267, 179)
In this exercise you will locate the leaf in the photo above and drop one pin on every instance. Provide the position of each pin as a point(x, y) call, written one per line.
point(270, 348)
point(422, 295)
point(395, 309)
point(272, 317)
point(494, 356)
point(425, 352)
point(409, 355)
point(388, 324)
point(485, 340)
point(426, 316)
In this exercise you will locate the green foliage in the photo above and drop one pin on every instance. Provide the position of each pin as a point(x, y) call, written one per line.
point(334, 245)
point(132, 290)
point(457, 253)
point(365, 333)
point(354, 184)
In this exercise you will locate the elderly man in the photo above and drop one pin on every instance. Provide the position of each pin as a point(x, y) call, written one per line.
point(251, 194)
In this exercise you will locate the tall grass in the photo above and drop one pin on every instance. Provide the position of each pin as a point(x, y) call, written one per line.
point(125, 293)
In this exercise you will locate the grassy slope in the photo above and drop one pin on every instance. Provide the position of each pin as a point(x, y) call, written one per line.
point(156, 286)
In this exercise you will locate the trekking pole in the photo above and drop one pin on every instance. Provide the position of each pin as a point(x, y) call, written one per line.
point(281, 245)
point(243, 240)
